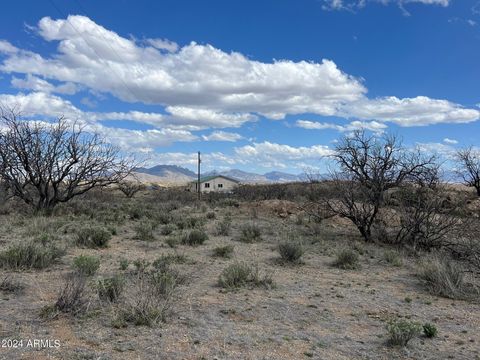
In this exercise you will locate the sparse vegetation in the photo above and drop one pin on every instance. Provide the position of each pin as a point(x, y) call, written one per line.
point(110, 289)
point(30, 255)
point(250, 233)
point(223, 227)
point(430, 330)
point(86, 265)
point(241, 274)
point(291, 251)
point(71, 298)
point(225, 251)
point(194, 237)
point(400, 332)
point(144, 231)
point(347, 259)
point(93, 237)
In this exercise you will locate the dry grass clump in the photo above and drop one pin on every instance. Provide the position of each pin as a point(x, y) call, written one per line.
point(194, 237)
point(71, 298)
point(241, 274)
point(109, 289)
point(144, 231)
point(93, 237)
point(291, 251)
point(250, 233)
point(10, 285)
point(445, 278)
point(225, 251)
point(30, 255)
point(224, 226)
point(347, 259)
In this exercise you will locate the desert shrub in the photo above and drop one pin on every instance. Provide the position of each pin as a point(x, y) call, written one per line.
point(93, 237)
point(172, 241)
point(240, 274)
point(144, 231)
point(71, 298)
point(141, 265)
point(163, 218)
point(167, 229)
point(110, 289)
point(223, 227)
point(400, 332)
point(190, 222)
point(9, 285)
point(30, 255)
point(430, 330)
point(347, 259)
point(123, 264)
point(194, 237)
point(86, 264)
point(210, 215)
point(291, 251)
point(250, 233)
point(149, 296)
point(393, 258)
point(225, 251)
point(444, 277)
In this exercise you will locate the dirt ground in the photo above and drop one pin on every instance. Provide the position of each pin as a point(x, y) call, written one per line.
point(315, 310)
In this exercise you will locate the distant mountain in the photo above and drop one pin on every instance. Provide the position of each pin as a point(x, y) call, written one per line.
point(165, 174)
point(173, 174)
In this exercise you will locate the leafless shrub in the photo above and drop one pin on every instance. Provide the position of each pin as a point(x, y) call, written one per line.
point(72, 296)
point(130, 188)
point(47, 164)
point(469, 167)
point(427, 218)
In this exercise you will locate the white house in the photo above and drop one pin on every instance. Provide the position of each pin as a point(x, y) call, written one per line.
point(216, 183)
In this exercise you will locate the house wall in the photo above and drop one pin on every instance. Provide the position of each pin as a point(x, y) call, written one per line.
point(226, 185)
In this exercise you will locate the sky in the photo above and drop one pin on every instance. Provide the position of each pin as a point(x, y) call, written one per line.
point(257, 85)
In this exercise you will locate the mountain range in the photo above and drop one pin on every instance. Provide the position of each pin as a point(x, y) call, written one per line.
point(173, 174)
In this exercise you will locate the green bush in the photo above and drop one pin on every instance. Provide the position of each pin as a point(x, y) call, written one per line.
point(86, 264)
point(400, 332)
point(250, 233)
point(110, 289)
point(240, 274)
point(194, 237)
point(291, 251)
point(430, 330)
point(225, 251)
point(93, 237)
point(123, 264)
point(30, 255)
point(172, 241)
point(144, 231)
point(347, 259)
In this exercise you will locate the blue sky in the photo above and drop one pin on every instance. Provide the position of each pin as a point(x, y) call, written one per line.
point(256, 85)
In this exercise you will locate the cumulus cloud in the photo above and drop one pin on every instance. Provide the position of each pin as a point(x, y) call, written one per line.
point(418, 111)
point(279, 155)
point(450, 141)
point(374, 126)
point(163, 44)
point(222, 136)
point(31, 82)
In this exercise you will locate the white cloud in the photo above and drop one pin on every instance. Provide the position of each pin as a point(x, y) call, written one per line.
point(204, 87)
point(450, 141)
point(163, 44)
point(196, 76)
point(31, 82)
point(222, 136)
point(418, 111)
point(357, 4)
point(279, 155)
point(354, 125)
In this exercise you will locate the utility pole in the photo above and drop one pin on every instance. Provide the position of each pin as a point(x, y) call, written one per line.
point(198, 181)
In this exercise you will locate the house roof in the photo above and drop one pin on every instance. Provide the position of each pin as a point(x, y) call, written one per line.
point(208, 178)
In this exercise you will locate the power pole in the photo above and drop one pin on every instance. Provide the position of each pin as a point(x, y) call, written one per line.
point(198, 181)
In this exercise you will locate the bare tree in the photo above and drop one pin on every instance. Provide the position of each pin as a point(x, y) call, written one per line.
point(130, 187)
point(368, 166)
point(44, 164)
point(469, 167)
